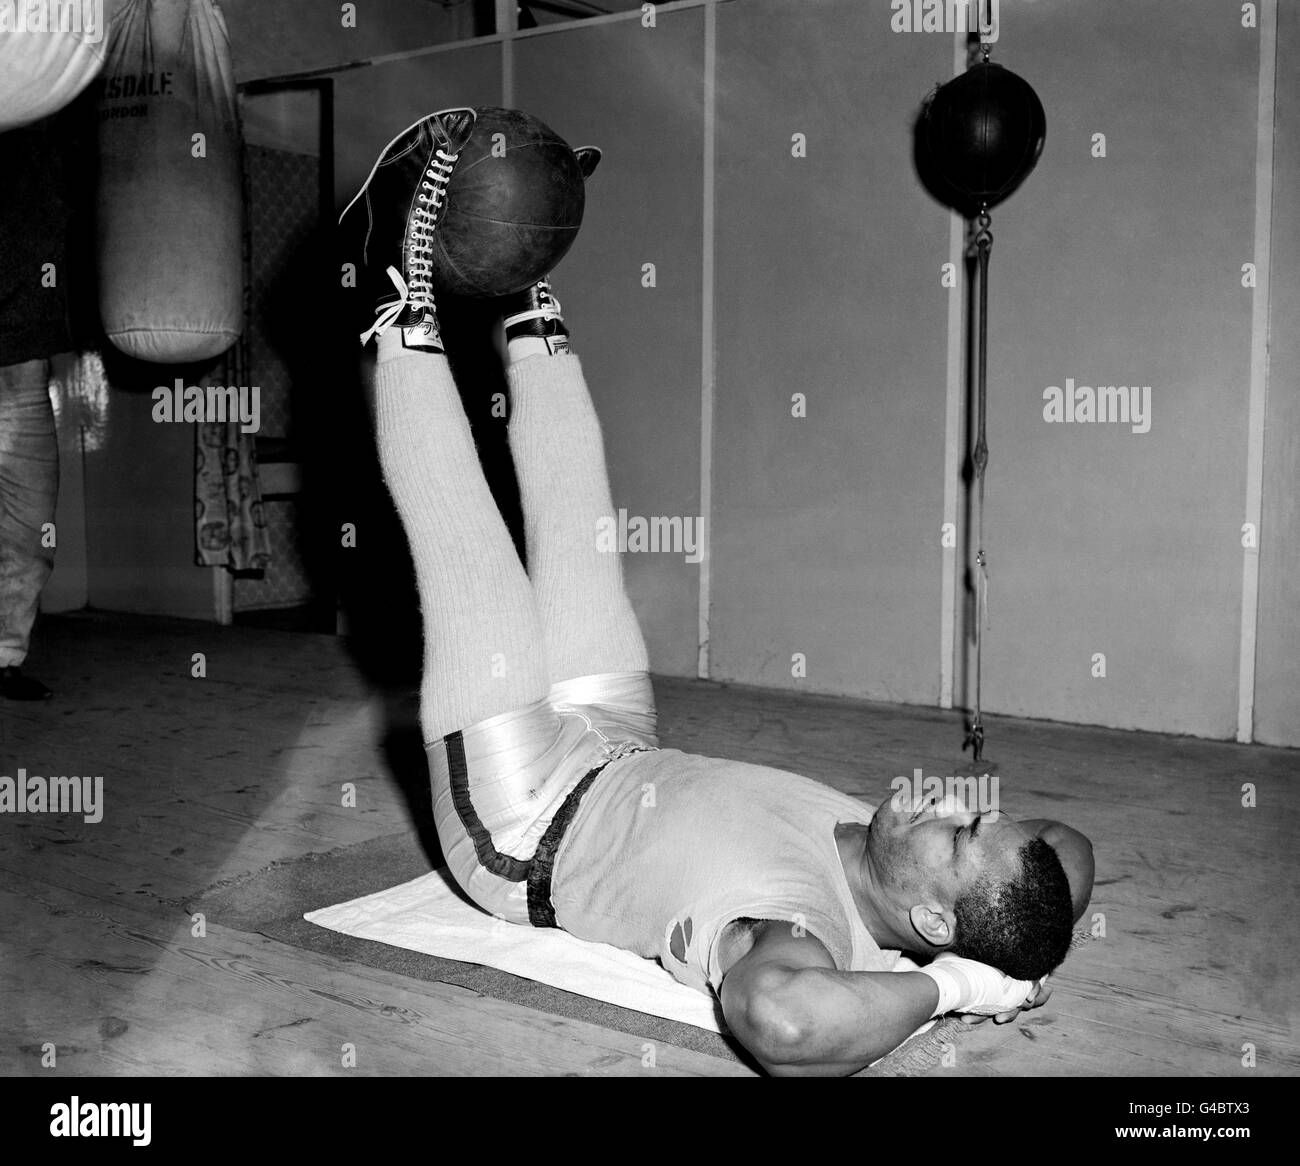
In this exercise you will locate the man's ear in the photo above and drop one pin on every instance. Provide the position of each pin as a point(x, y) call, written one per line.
point(933, 924)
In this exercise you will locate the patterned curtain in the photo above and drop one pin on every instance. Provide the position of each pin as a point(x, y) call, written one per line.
point(230, 527)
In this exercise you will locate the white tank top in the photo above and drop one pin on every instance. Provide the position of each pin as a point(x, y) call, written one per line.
point(668, 848)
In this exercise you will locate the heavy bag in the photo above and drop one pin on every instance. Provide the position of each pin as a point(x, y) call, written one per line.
point(169, 229)
point(48, 55)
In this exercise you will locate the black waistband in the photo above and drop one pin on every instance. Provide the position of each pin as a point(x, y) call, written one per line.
point(541, 912)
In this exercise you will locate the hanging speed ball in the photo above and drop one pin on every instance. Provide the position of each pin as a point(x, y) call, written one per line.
point(982, 133)
point(514, 206)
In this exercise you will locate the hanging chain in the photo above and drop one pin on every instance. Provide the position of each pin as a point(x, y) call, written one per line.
point(983, 244)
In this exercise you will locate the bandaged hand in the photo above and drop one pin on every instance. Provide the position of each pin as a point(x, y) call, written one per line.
point(970, 986)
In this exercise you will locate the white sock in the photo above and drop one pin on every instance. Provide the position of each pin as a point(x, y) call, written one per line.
point(559, 456)
point(389, 346)
point(484, 651)
point(522, 347)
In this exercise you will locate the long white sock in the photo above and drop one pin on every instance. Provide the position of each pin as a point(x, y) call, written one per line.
point(587, 620)
point(484, 651)
point(522, 347)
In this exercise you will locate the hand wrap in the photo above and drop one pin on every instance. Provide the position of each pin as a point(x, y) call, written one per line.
point(970, 986)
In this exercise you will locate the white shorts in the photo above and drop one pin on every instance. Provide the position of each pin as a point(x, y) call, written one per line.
point(505, 789)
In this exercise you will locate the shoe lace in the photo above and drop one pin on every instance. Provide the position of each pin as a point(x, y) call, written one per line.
point(386, 314)
point(548, 307)
point(419, 258)
point(424, 221)
point(547, 297)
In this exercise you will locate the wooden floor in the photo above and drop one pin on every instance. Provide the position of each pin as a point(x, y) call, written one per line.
point(207, 779)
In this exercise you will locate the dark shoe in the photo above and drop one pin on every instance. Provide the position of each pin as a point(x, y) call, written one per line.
point(405, 199)
point(15, 686)
point(535, 312)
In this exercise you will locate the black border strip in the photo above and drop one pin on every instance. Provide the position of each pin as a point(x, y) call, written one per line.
point(541, 911)
point(505, 866)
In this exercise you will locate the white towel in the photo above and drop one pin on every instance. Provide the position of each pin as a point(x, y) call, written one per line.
point(428, 915)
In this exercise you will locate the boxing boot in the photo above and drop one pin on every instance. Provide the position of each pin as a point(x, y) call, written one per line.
point(534, 313)
point(403, 201)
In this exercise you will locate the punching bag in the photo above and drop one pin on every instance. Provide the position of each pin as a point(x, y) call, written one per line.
point(169, 221)
point(47, 57)
point(982, 134)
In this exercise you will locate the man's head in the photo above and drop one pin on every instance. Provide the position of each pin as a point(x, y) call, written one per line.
point(942, 878)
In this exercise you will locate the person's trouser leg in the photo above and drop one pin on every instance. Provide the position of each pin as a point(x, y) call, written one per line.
point(29, 486)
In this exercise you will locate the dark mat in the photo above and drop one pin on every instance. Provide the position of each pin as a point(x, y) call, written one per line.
point(272, 901)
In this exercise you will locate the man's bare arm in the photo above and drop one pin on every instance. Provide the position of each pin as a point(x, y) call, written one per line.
point(788, 1004)
point(1075, 852)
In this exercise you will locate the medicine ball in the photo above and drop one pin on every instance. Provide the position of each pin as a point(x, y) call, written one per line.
point(514, 206)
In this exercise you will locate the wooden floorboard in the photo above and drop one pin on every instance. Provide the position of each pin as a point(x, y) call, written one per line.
point(149, 997)
point(210, 779)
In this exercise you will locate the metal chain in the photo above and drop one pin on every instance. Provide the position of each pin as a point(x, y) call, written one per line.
point(983, 244)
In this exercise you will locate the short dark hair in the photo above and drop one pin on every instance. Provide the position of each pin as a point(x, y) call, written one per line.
point(1023, 925)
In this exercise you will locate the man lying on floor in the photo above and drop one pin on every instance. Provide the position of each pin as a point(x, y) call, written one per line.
point(554, 804)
